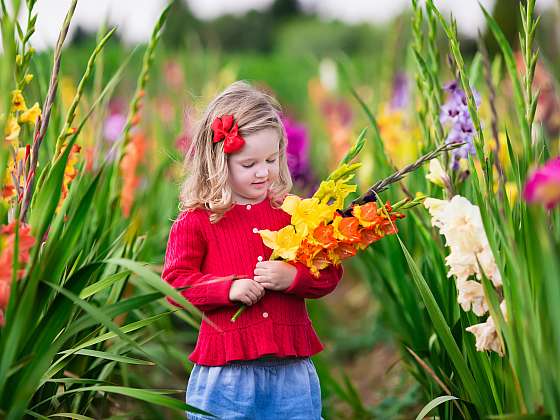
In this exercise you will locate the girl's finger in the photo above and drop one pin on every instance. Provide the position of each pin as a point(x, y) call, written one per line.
point(259, 271)
point(258, 287)
point(265, 264)
point(260, 279)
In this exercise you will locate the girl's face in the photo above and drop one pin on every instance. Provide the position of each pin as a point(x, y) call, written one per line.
point(253, 169)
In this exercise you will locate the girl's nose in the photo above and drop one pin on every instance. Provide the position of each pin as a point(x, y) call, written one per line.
point(262, 173)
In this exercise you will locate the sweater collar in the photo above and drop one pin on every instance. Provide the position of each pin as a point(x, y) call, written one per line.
point(253, 205)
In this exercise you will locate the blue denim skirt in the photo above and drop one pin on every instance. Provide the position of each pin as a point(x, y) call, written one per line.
point(262, 389)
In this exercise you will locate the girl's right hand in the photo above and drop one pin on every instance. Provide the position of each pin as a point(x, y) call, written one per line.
point(246, 291)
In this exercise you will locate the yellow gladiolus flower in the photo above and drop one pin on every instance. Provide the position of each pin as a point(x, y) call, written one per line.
point(12, 130)
point(30, 115)
point(491, 145)
point(511, 191)
point(290, 204)
point(18, 102)
point(306, 214)
point(337, 191)
point(284, 242)
point(28, 78)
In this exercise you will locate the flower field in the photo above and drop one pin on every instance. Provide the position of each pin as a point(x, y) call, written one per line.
point(456, 311)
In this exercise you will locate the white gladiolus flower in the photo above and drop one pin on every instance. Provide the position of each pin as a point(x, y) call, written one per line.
point(437, 174)
point(436, 208)
point(487, 337)
point(461, 224)
point(471, 295)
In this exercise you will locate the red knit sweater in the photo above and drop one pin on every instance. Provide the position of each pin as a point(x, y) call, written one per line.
point(278, 324)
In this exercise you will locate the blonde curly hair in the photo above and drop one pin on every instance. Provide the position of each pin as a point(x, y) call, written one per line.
point(206, 185)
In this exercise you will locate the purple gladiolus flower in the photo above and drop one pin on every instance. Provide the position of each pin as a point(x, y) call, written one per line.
point(401, 91)
point(456, 112)
point(543, 185)
point(297, 152)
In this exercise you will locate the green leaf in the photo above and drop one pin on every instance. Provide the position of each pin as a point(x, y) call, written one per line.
point(47, 197)
point(72, 416)
point(155, 281)
point(150, 396)
point(103, 284)
point(433, 404)
point(519, 417)
point(443, 331)
point(98, 315)
point(114, 357)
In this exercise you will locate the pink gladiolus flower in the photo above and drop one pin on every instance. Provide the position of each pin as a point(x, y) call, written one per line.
point(543, 185)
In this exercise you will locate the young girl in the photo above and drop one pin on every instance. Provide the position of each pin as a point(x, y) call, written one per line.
point(257, 367)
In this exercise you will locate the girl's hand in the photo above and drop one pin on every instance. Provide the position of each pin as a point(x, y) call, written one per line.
point(275, 275)
point(246, 291)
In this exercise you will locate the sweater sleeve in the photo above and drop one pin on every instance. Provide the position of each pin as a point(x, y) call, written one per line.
point(308, 286)
point(185, 251)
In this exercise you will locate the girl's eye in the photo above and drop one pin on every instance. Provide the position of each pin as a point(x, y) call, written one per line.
point(247, 166)
point(271, 161)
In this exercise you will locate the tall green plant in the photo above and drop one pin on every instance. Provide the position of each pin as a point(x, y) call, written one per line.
point(421, 305)
point(69, 332)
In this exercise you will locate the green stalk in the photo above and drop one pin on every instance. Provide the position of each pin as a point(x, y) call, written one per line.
point(427, 77)
point(41, 127)
point(420, 75)
point(520, 104)
point(71, 114)
point(142, 81)
point(529, 58)
point(8, 69)
point(135, 104)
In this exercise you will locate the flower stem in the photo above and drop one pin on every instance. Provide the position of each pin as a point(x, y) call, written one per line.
point(382, 185)
point(239, 311)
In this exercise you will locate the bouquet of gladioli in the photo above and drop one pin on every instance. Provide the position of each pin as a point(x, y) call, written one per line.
point(322, 233)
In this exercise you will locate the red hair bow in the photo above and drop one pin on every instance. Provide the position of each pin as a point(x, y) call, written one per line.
point(224, 128)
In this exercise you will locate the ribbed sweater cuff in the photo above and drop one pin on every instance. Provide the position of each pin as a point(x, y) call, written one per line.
point(218, 293)
point(301, 281)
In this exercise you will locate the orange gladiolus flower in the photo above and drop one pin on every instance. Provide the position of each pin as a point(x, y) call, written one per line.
point(307, 251)
point(368, 236)
point(342, 251)
point(313, 256)
point(346, 229)
point(320, 261)
point(70, 172)
point(7, 239)
point(366, 214)
point(134, 155)
point(324, 235)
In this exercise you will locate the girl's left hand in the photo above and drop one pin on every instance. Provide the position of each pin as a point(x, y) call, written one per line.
point(275, 275)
